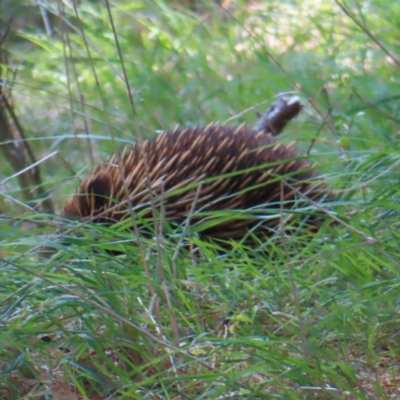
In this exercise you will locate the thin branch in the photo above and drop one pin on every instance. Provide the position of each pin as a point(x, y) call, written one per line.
point(278, 114)
point(370, 35)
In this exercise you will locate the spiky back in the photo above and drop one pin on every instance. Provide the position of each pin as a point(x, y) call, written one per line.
point(213, 167)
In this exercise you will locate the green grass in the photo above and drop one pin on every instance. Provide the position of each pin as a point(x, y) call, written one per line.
point(293, 318)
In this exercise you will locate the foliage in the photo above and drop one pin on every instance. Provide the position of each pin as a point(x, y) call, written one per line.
point(300, 319)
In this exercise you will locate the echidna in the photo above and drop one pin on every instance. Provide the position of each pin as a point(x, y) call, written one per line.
point(238, 170)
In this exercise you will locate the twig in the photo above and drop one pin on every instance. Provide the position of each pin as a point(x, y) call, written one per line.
point(278, 114)
point(368, 33)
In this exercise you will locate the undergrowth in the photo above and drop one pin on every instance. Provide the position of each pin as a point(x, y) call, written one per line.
point(108, 314)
